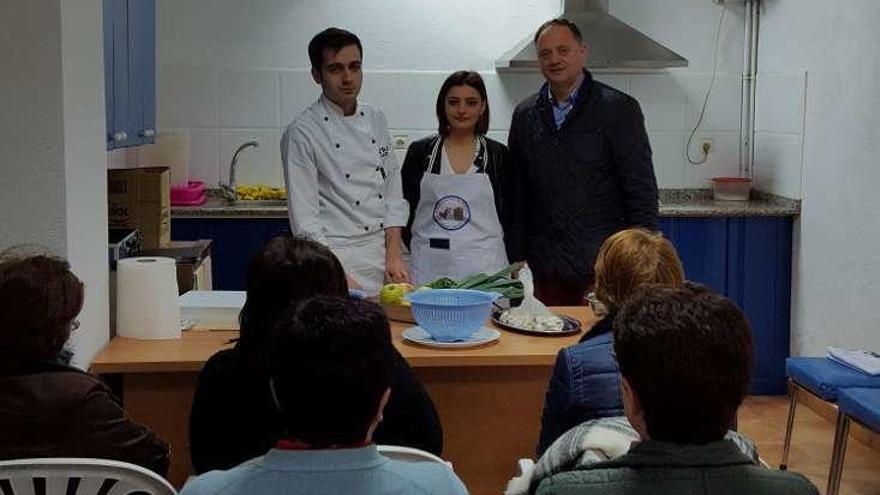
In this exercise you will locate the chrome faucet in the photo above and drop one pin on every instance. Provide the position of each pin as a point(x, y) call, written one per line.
point(229, 190)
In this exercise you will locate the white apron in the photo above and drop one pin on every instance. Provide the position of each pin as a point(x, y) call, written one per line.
point(364, 259)
point(455, 230)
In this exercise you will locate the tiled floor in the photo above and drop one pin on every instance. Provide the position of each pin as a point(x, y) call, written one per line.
point(763, 420)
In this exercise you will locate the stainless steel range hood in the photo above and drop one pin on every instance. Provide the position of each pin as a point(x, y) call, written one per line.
point(612, 44)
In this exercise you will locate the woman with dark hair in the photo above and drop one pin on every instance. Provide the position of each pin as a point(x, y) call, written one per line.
point(234, 418)
point(455, 185)
point(48, 408)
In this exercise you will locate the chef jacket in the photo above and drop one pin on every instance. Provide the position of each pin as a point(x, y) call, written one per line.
point(343, 180)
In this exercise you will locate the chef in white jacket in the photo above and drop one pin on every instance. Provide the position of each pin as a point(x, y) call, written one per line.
point(343, 180)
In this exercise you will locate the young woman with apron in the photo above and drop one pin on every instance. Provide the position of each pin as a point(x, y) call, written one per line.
point(455, 229)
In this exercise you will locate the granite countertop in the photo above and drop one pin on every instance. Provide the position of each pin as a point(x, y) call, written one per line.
point(699, 203)
point(673, 203)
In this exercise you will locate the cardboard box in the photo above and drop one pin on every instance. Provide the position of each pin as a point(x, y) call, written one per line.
point(140, 198)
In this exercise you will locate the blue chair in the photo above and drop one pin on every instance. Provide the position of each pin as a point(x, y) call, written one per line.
point(821, 378)
point(861, 405)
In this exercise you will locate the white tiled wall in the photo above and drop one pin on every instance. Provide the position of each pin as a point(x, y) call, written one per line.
point(249, 99)
point(223, 108)
point(187, 96)
point(260, 165)
point(779, 125)
point(204, 151)
point(228, 74)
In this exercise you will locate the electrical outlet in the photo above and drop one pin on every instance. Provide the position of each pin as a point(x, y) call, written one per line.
point(706, 146)
point(400, 141)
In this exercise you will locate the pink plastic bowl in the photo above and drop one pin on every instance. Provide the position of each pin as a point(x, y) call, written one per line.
point(192, 193)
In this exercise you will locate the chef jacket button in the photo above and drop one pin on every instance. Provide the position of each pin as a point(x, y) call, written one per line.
point(357, 203)
point(366, 228)
point(380, 196)
point(337, 145)
point(326, 119)
point(347, 176)
point(374, 141)
point(381, 225)
point(362, 114)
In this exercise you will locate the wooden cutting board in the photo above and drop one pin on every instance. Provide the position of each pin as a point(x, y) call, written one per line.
point(396, 312)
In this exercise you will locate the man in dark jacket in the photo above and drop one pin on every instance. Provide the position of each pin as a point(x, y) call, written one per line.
point(580, 169)
point(685, 357)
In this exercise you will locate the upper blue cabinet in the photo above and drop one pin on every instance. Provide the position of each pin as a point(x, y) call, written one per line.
point(130, 71)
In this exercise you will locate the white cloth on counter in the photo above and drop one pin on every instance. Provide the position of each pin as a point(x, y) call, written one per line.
point(212, 309)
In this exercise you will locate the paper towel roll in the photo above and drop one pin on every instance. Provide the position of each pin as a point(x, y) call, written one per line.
point(146, 298)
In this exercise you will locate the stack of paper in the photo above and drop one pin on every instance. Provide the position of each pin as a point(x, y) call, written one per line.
point(213, 310)
point(861, 360)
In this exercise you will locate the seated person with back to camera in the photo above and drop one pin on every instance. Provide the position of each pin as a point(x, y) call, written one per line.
point(685, 357)
point(330, 368)
point(233, 386)
point(49, 408)
point(585, 383)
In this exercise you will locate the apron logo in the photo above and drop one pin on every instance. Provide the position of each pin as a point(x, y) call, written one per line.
point(452, 212)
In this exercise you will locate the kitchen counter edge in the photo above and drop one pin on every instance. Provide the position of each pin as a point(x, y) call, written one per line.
point(673, 203)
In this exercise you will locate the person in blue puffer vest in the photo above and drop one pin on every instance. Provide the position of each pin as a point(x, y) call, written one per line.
point(585, 383)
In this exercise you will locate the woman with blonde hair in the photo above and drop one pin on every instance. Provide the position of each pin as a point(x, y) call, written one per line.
point(585, 381)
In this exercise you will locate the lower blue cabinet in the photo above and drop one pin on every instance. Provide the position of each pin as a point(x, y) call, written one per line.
point(748, 259)
point(236, 241)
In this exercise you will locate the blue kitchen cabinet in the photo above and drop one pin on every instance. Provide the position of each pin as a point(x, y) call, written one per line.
point(759, 281)
point(702, 246)
point(748, 259)
point(236, 241)
point(130, 72)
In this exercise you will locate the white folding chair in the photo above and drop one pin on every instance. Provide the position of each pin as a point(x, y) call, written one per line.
point(79, 476)
point(524, 465)
point(409, 454)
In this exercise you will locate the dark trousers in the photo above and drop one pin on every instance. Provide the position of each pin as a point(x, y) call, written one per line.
point(559, 293)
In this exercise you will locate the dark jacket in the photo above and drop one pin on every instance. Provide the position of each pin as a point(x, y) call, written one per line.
point(575, 186)
point(585, 385)
point(416, 163)
point(234, 419)
point(53, 410)
point(659, 468)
